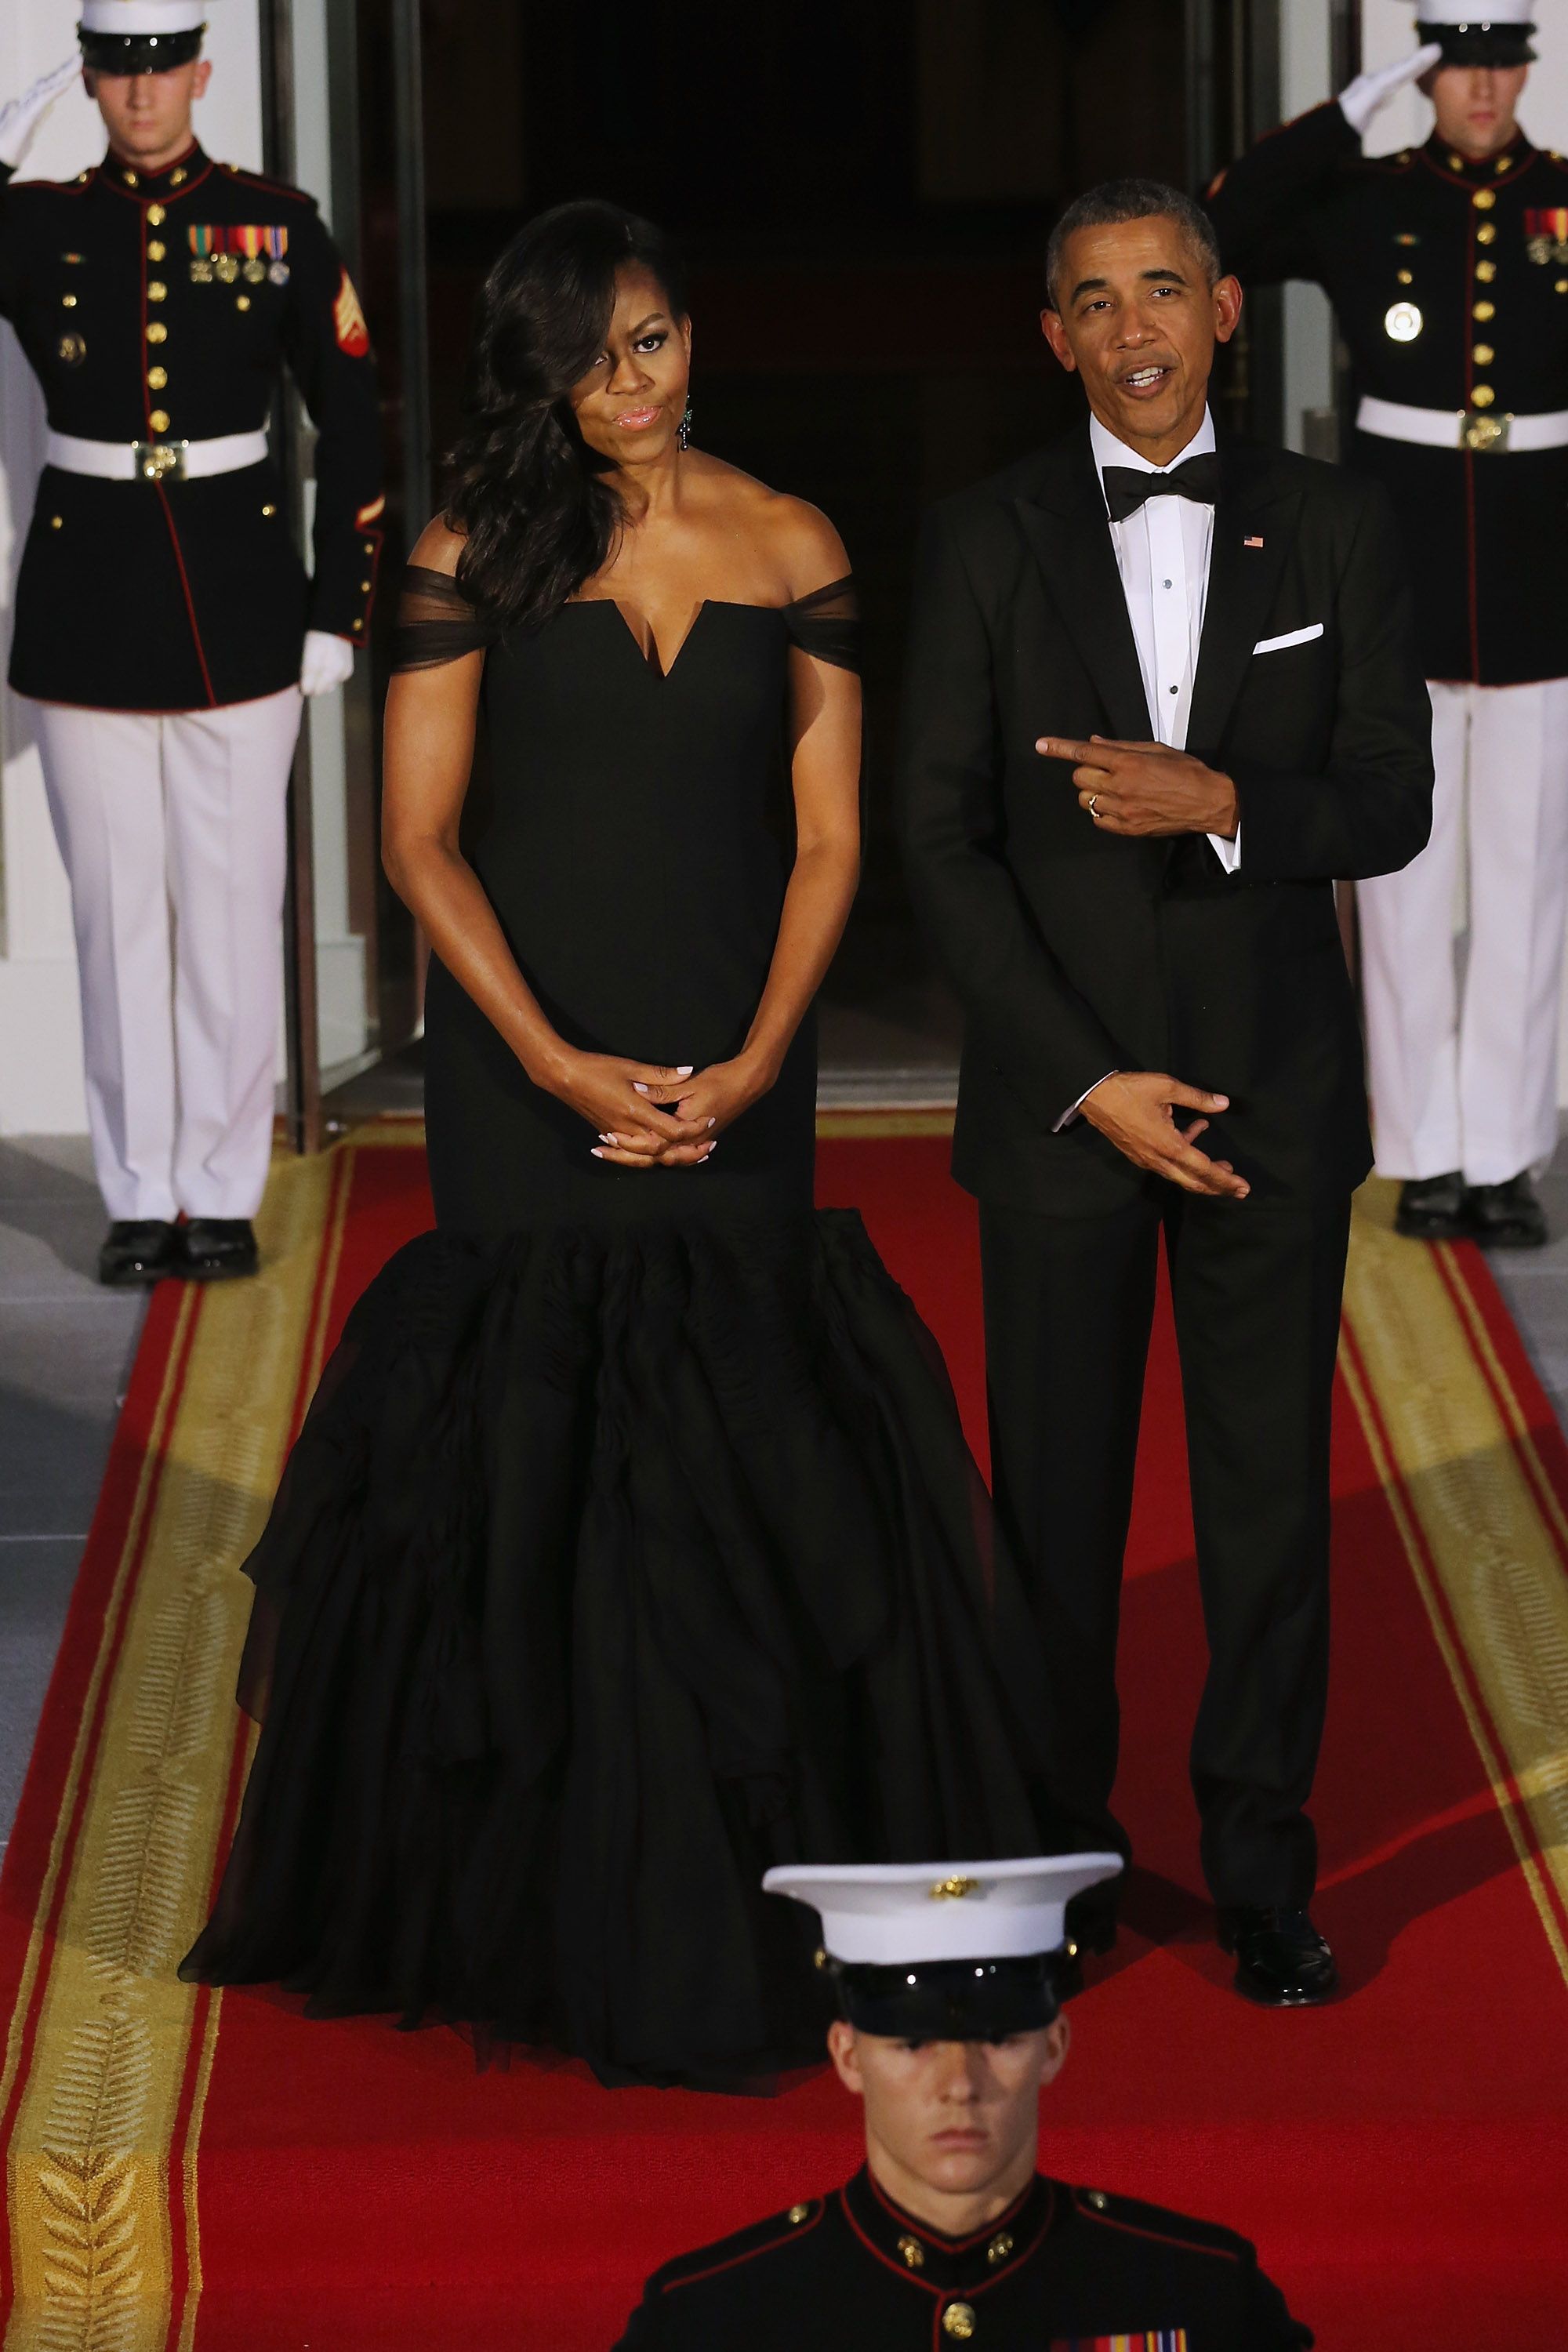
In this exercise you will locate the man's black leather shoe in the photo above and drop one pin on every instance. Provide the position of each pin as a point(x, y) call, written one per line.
point(1432, 1209)
point(1281, 1961)
point(217, 1249)
point(1507, 1216)
point(137, 1250)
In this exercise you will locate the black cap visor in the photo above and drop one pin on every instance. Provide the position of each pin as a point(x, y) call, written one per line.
point(139, 53)
point(950, 2001)
point(1481, 44)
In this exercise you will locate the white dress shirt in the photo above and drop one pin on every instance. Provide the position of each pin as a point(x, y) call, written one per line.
point(1163, 554)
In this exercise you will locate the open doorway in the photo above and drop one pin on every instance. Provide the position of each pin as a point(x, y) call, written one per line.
point(863, 187)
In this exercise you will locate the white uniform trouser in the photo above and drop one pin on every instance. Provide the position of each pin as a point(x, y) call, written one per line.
point(174, 833)
point(1473, 1085)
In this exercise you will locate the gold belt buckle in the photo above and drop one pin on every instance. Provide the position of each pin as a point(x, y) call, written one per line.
point(1480, 431)
point(160, 461)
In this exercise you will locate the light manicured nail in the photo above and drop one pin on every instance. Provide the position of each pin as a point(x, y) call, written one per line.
point(638, 1088)
point(611, 1139)
point(712, 1122)
point(595, 1153)
point(684, 1069)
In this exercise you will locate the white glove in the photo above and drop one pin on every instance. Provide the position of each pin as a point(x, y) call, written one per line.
point(21, 118)
point(1362, 98)
point(328, 662)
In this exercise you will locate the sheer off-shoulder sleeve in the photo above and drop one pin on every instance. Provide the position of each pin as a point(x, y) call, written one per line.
point(436, 623)
point(827, 623)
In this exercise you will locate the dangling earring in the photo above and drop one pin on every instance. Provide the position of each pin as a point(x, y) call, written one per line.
point(683, 430)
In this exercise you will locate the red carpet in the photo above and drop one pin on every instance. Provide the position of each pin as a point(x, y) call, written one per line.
point(1402, 2157)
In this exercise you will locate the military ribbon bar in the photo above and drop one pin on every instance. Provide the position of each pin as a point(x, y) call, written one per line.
point(1549, 220)
point(1155, 2339)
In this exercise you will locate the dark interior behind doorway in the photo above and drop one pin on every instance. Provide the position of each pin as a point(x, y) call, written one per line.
point(864, 186)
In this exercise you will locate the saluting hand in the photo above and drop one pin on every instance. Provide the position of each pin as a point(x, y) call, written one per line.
point(1135, 1110)
point(21, 116)
point(1146, 790)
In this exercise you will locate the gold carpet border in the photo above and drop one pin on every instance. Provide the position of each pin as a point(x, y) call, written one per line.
point(89, 2163)
point(1462, 1501)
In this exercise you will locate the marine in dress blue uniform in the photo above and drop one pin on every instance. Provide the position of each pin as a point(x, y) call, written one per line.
point(166, 627)
point(1448, 273)
point(962, 1952)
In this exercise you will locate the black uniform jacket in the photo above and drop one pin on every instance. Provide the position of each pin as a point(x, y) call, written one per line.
point(1065, 2270)
point(1476, 256)
point(163, 307)
point(1077, 952)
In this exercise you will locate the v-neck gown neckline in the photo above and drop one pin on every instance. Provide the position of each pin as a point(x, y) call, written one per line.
point(631, 1544)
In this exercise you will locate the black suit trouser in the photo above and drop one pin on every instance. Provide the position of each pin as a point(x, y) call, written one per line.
point(1069, 1304)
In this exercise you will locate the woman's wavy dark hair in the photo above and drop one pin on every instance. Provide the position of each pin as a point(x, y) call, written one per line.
point(539, 514)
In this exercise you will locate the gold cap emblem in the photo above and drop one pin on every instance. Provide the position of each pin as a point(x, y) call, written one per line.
point(958, 2321)
point(952, 1890)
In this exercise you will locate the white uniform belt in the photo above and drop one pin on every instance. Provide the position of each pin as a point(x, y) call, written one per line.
point(1463, 428)
point(155, 461)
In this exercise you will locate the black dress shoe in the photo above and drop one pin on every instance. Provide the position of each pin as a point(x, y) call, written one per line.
point(1507, 1216)
point(137, 1250)
point(1433, 1209)
point(1281, 1961)
point(217, 1249)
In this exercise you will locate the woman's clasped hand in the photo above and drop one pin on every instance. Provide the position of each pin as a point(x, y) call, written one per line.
point(649, 1115)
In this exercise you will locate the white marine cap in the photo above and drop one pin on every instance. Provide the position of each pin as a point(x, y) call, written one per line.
point(897, 1913)
point(1478, 32)
point(132, 17)
point(1477, 15)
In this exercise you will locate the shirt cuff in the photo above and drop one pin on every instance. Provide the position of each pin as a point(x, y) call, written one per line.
point(1073, 1109)
point(1228, 851)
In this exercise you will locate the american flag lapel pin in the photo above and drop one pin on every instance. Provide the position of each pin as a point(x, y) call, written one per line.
point(1252, 542)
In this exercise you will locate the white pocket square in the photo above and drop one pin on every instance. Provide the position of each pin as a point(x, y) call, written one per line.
point(1291, 637)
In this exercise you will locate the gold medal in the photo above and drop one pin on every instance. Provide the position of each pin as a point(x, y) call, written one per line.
point(1539, 248)
point(201, 272)
point(255, 271)
point(227, 268)
point(72, 349)
point(1401, 323)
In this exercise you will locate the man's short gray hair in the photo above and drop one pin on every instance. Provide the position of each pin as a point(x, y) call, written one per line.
point(1115, 201)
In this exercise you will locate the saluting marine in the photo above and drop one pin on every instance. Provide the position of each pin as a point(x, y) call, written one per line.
point(950, 1978)
point(165, 627)
point(1448, 266)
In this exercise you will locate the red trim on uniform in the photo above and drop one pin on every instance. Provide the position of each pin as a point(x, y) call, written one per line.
point(797, 2230)
point(934, 2237)
point(272, 187)
point(1161, 2237)
point(76, 185)
point(900, 2270)
point(164, 196)
point(1467, 455)
point(186, 586)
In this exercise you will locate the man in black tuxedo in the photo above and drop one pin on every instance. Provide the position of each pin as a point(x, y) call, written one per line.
point(1144, 937)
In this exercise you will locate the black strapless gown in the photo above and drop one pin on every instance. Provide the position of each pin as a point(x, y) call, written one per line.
point(632, 1543)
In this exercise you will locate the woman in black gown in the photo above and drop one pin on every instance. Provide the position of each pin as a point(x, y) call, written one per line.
point(632, 1544)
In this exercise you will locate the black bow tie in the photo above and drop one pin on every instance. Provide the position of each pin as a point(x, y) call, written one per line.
point(1198, 479)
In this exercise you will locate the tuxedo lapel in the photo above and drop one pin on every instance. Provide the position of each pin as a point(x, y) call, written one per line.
point(1253, 529)
point(1066, 524)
